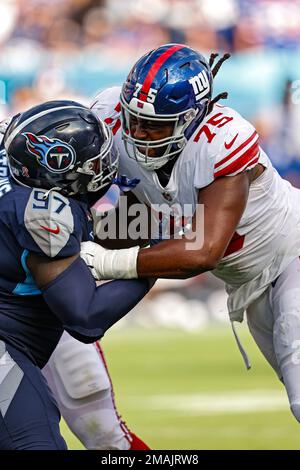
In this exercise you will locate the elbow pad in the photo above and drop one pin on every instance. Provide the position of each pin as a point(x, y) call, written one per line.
point(85, 310)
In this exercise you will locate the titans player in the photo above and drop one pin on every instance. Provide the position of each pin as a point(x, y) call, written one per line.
point(84, 392)
point(58, 152)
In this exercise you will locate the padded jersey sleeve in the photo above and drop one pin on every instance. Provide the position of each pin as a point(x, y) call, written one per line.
point(224, 145)
point(51, 226)
point(238, 148)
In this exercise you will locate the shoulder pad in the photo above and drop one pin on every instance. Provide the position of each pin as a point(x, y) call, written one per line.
point(49, 221)
point(225, 144)
point(237, 147)
point(230, 142)
point(106, 104)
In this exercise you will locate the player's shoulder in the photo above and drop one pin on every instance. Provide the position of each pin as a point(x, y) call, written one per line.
point(224, 122)
point(229, 141)
point(46, 222)
point(106, 103)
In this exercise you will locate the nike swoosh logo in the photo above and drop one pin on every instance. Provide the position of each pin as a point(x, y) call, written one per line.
point(230, 144)
point(52, 230)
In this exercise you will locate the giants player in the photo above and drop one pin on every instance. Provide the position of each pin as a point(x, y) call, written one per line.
point(187, 149)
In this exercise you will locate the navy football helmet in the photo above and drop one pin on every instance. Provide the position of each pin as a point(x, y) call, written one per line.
point(171, 84)
point(61, 145)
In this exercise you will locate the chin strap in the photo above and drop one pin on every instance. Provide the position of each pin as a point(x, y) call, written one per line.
point(46, 195)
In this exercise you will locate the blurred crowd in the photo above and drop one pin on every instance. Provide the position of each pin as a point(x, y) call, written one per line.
point(132, 26)
point(71, 48)
point(74, 47)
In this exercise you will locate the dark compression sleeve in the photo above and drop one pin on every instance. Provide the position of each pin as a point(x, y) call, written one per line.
point(85, 310)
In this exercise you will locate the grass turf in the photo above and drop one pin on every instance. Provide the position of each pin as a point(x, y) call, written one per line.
point(179, 390)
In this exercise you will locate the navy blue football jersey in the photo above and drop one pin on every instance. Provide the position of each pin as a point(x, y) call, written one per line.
point(50, 225)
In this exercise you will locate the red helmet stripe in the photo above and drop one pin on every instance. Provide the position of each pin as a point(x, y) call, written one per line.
point(155, 68)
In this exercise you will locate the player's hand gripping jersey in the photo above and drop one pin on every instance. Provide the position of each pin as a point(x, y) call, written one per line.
point(267, 237)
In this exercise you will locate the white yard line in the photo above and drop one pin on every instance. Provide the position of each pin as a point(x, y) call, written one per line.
point(216, 403)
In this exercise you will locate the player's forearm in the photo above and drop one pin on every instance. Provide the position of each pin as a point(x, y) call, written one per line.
point(174, 259)
point(169, 259)
point(87, 311)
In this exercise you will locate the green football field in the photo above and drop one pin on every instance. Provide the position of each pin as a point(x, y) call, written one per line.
point(180, 390)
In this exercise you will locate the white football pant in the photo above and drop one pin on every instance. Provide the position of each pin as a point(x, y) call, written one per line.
point(274, 322)
point(78, 377)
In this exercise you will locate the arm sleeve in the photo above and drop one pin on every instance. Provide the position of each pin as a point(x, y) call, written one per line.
point(85, 310)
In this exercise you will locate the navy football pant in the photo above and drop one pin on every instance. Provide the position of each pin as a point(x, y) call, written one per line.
point(29, 417)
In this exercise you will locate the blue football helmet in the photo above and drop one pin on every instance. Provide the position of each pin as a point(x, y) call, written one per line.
point(61, 145)
point(171, 84)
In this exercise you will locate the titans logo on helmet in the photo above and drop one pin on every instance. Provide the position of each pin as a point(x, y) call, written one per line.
point(56, 155)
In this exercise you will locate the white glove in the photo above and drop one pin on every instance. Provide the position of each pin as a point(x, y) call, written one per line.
point(110, 264)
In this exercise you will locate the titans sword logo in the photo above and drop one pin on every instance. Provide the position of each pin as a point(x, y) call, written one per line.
point(56, 155)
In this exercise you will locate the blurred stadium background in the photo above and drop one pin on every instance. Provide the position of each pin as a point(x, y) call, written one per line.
point(179, 379)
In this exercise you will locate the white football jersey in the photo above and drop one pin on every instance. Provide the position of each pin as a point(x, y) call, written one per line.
point(267, 238)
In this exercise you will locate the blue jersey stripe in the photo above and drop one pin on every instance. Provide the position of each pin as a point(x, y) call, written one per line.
point(28, 287)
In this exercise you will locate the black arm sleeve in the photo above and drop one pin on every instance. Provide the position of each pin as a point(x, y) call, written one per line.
point(85, 310)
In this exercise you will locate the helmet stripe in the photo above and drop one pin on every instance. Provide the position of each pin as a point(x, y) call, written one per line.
point(155, 68)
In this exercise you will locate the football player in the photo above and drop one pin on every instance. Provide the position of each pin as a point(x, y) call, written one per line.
point(58, 153)
point(84, 395)
point(187, 149)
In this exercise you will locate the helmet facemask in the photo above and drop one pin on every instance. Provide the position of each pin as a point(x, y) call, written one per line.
point(99, 171)
point(170, 84)
point(172, 145)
